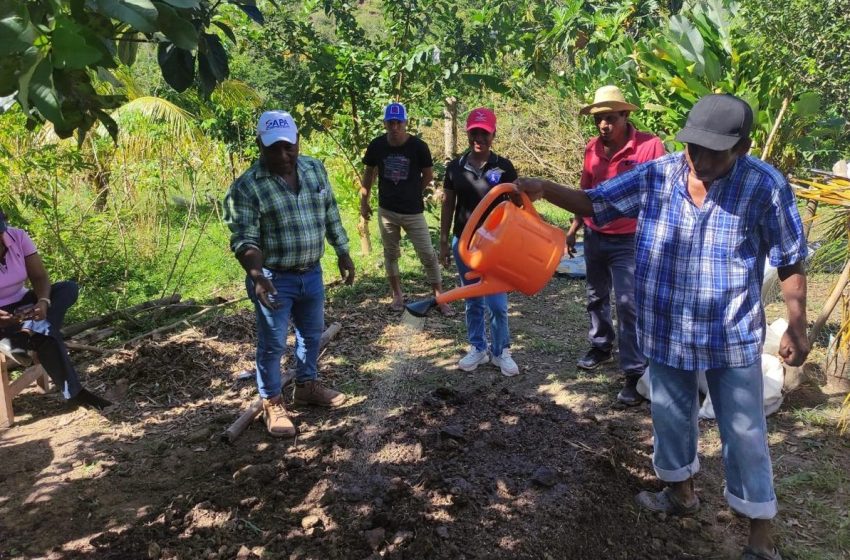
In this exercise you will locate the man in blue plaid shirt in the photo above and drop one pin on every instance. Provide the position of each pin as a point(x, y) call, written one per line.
point(707, 219)
point(279, 213)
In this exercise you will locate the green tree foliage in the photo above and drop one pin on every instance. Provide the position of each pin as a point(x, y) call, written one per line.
point(54, 53)
point(708, 47)
point(807, 41)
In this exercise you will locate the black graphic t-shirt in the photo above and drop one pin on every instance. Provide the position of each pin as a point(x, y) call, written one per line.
point(399, 173)
point(471, 185)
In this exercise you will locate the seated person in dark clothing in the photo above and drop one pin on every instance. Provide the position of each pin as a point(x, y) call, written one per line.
point(31, 319)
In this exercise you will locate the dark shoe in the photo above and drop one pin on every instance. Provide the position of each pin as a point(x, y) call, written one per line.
point(87, 399)
point(629, 395)
point(665, 502)
point(313, 392)
point(594, 358)
point(751, 554)
point(13, 348)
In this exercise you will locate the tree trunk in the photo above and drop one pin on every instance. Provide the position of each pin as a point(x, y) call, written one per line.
point(450, 128)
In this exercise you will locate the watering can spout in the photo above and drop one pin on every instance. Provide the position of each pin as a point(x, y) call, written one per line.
point(421, 308)
point(484, 287)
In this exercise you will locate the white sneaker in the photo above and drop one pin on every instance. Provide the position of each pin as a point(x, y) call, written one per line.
point(505, 363)
point(473, 359)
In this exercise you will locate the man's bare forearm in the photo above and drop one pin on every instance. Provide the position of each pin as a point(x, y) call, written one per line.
point(574, 200)
point(793, 284)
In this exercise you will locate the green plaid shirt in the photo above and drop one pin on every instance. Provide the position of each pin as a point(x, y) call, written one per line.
point(262, 212)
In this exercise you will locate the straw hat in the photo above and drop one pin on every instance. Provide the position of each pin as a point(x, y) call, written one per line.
point(608, 99)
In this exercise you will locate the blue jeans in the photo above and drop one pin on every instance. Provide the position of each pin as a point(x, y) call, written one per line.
point(495, 304)
point(738, 398)
point(301, 296)
point(610, 263)
point(46, 338)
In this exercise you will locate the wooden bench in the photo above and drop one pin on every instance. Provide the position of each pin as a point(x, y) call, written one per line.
point(10, 389)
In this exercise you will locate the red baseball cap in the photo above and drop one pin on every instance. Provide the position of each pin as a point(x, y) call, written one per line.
point(482, 118)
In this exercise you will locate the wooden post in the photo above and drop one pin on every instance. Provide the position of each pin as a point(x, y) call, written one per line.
point(253, 411)
point(450, 128)
point(363, 231)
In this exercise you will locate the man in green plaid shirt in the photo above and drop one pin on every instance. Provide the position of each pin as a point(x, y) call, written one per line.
point(279, 213)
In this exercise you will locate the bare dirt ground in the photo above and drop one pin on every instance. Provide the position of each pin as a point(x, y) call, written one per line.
point(425, 461)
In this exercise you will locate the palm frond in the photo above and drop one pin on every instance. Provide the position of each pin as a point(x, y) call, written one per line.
point(232, 94)
point(132, 88)
point(180, 122)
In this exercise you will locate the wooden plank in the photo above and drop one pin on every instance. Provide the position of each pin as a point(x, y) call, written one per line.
point(27, 378)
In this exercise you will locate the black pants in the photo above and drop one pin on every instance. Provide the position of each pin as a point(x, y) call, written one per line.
point(49, 345)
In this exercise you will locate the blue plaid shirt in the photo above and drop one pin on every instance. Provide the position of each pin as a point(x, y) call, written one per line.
point(699, 271)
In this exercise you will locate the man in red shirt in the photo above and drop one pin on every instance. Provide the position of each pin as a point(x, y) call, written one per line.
point(609, 251)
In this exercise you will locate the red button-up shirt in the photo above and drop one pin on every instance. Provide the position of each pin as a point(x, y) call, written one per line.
point(640, 147)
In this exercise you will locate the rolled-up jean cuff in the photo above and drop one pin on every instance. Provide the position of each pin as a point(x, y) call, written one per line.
point(752, 510)
point(677, 475)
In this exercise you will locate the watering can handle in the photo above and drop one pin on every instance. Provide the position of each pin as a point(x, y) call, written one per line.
point(483, 206)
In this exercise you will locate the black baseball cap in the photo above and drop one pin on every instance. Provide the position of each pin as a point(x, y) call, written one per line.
point(717, 122)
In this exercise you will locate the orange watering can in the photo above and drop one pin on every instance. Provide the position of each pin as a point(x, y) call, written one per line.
point(513, 250)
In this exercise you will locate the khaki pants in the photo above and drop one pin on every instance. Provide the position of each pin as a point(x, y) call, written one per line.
point(390, 224)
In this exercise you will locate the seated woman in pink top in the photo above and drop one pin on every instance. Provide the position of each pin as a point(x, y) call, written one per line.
point(31, 319)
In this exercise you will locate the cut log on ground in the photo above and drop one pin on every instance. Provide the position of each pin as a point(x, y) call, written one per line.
point(185, 320)
point(76, 328)
point(96, 349)
point(94, 336)
point(253, 412)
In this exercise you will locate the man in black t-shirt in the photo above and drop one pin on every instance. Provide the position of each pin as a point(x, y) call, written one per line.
point(403, 165)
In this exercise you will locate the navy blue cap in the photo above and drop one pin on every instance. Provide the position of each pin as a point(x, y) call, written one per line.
point(395, 112)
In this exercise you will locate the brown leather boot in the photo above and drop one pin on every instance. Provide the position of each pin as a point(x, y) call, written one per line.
point(313, 392)
point(277, 422)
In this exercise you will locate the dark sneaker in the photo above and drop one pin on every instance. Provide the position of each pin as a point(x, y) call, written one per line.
point(594, 358)
point(629, 395)
point(13, 349)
